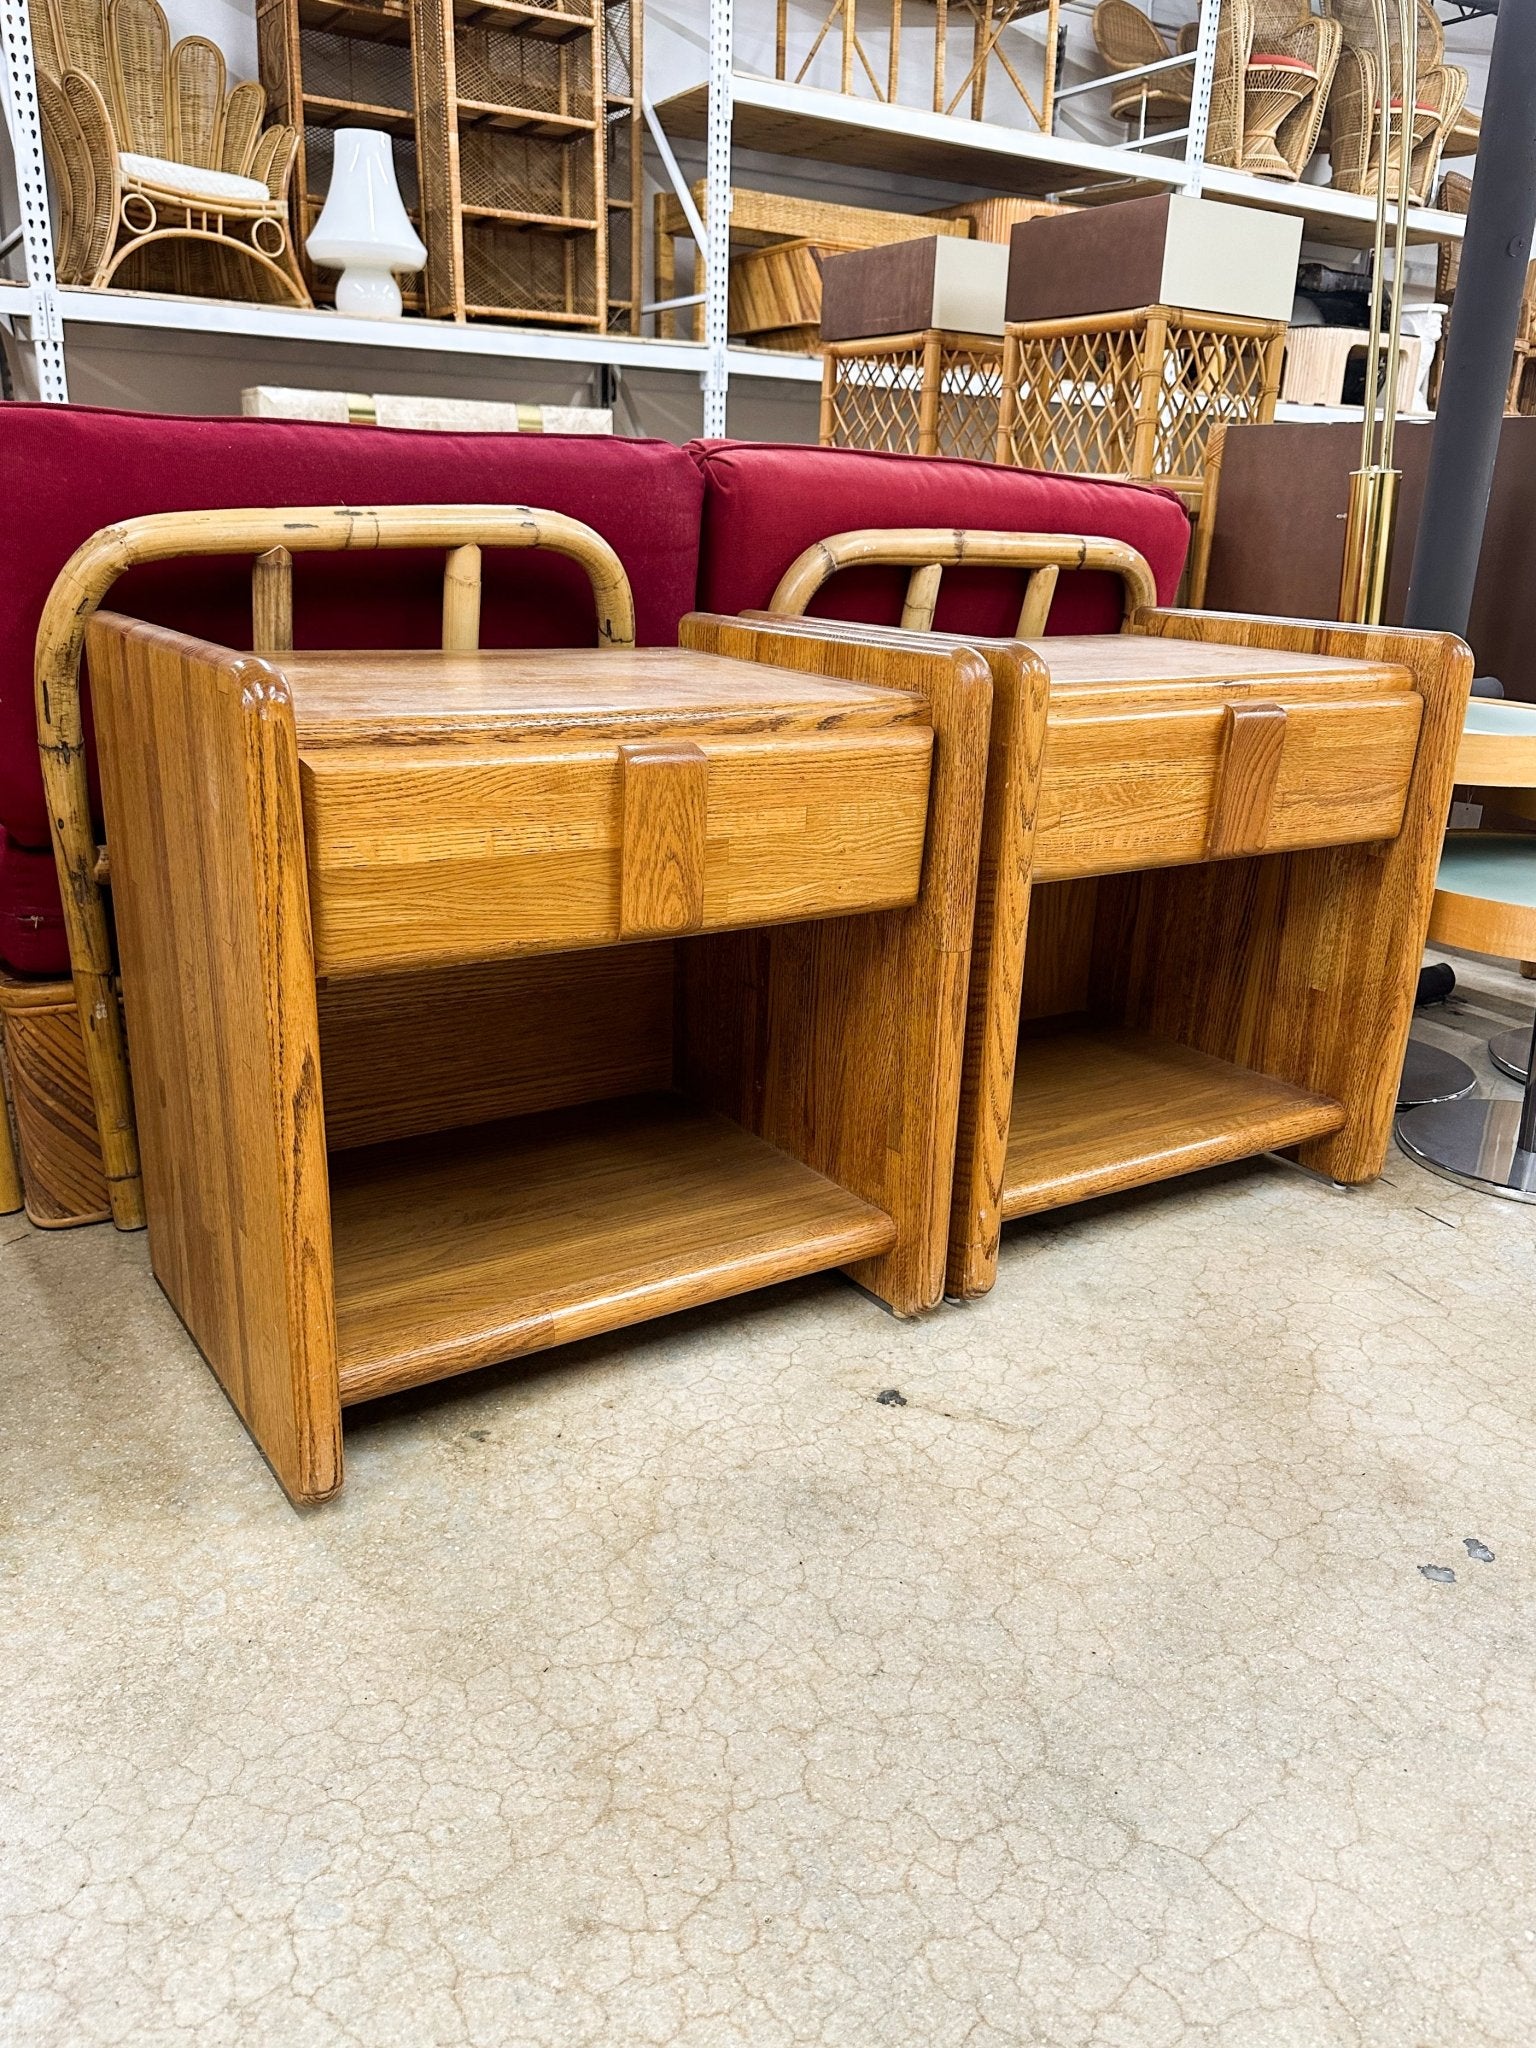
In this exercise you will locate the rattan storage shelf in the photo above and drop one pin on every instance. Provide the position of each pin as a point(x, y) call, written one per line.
point(329, 64)
point(511, 121)
point(513, 136)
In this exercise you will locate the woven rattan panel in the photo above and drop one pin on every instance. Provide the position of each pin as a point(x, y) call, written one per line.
point(877, 401)
point(527, 270)
point(356, 68)
point(526, 173)
point(1079, 399)
point(503, 70)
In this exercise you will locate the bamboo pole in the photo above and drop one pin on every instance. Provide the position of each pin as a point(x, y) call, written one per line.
point(461, 600)
point(922, 597)
point(1036, 608)
point(272, 602)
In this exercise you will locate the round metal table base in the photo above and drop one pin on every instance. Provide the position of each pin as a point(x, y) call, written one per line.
point(1510, 1052)
point(1430, 1075)
point(1475, 1143)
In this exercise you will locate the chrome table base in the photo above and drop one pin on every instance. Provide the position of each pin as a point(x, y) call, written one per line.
point(1490, 1146)
point(1476, 1143)
point(1430, 1075)
point(1510, 1052)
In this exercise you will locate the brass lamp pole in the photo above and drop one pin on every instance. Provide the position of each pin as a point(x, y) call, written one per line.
point(1373, 486)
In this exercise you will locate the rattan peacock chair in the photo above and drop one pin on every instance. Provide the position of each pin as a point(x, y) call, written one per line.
point(1274, 69)
point(1355, 111)
point(166, 180)
point(1127, 39)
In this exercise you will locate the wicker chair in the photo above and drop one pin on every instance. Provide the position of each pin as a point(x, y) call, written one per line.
point(1274, 69)
point(1126, 39)
point(1354, 113)
point(166, 180)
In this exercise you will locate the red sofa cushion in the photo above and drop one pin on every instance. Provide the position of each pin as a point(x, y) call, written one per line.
point(31, 921)
point(67, 470)
point(766, 504)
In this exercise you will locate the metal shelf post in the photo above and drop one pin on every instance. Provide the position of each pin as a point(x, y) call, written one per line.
point(23, 121)
point(1200, 97)
point(717, 193)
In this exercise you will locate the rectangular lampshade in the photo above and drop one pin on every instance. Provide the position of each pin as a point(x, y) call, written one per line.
point(908, 287)
point(1168, 250)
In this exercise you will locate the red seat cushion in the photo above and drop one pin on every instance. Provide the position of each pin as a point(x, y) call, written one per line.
point(766, 504)
point(1277, 60)
point(31, 922)
point(65, 471)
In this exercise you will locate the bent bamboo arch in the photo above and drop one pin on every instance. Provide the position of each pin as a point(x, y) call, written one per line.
point(929, 550)
point(273, 536)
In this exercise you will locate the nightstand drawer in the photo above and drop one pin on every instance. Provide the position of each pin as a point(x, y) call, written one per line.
point(435, 854)
point(1167, 785)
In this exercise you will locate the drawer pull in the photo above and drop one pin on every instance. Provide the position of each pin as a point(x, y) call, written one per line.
point(664, 790)
point(1247, 769)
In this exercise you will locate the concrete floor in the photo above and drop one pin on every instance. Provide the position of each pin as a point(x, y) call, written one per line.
point(676, 1690)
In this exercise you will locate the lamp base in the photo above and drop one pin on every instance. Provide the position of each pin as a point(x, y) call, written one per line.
point(367, 293)
point(1474, 1143)
point(1510, 1052)
point(1430, 1075)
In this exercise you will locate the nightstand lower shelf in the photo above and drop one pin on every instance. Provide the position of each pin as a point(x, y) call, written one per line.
point(1097, 1108)
point(470, 1247)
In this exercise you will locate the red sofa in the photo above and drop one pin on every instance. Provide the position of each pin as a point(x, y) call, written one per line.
point(710, 526)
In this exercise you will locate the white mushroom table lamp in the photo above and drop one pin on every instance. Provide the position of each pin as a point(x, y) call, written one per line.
point(364, 230)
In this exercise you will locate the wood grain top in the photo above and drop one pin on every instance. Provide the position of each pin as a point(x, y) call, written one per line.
point(1094, 660)
point(346, 699)
point(1163, 667)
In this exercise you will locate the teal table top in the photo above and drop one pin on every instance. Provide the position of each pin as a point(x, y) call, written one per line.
point(1500, 867)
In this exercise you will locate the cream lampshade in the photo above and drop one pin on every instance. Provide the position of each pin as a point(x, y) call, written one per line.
point(364, 230)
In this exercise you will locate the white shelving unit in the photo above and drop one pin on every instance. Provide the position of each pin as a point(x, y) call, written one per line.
point(727, 110)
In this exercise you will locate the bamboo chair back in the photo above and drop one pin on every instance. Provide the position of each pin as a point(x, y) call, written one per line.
point(164, 99)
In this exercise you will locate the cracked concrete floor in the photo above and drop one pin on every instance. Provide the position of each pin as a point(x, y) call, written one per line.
point(675, 1690)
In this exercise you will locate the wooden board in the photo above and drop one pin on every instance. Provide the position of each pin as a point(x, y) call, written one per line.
point(460, 1251)
point(431, 1051)
point(424, 697)
point(200, 778)
point(825, 135)
point(442, 854)
point(844, 1040)
point(1097, 1108)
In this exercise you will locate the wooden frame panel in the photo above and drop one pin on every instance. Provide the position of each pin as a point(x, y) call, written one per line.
point(843, 1041)
point(200, 778)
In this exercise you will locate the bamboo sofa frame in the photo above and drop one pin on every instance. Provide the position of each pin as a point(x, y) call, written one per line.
point(272, 537)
